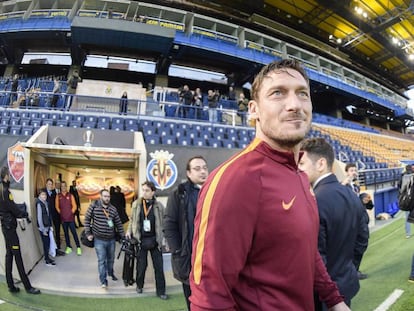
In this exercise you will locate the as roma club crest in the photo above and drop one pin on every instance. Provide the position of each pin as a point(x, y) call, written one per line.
point(15, 161)
point(161, 170)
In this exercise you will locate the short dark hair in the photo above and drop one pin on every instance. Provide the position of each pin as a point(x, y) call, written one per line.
point(149, 184)
point(42, 190)
point(349, 165)
point(191, 159)
point(279, 65)
point(103, 190)
point(317, 148)
point(49, 179)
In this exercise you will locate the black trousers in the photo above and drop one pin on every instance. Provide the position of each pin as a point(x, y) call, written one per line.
point(187, 294)
point(57, 224)
point(46, 245)
point(77, 215)
point(13, 250)
point(157, 262)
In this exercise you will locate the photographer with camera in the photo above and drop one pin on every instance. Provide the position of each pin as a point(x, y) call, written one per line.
point(9, 213)
point(146, 226)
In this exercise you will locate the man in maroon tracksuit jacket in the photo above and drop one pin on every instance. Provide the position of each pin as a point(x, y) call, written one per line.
point(255, 241)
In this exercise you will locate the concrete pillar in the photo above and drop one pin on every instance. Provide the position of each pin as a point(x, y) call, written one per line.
point(161, 80)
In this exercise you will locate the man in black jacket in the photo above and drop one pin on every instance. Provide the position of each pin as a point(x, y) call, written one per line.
point(9, 212)
point(179, 221)
point(343, 230)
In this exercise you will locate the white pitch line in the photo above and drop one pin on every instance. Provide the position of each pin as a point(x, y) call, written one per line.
point(2, 301)
point(391, 299)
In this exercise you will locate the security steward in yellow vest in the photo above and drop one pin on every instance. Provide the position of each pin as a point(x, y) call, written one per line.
point(9, 213)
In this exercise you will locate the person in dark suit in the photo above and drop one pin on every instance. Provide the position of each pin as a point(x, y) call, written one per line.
point(343, 228)
point(51, 196)
point(74, 192)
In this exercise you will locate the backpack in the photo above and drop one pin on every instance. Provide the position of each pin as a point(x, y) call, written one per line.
point(406, 195)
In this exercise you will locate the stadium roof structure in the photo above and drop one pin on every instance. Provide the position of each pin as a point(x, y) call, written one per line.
point(374, 37)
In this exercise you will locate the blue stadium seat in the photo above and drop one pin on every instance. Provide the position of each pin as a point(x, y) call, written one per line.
point(118, 120)
point(103, 119)
point(184, 141)
point(27, 130)
point(228, 144)
point(215, 143)
point(14, 114)
point(179, 133)
point(91, 119)
point(5, 120)
point(44, 115)
point(102, 126)
point(118, 126)
point(199, 141)
point(4, 129)
point(62, 122)
point(25, 122)
point(168, 140)
point(132, 127)
point(152, 139)
point(25, 115)
point(88, 124)
point(49, 122)
point(36, 122)
point(75, 123)
point(149, 130)
point(15, 130)
point(79, 118)
point(34, 115)
point(67, 117)
point(54, 116)
point(163, 132)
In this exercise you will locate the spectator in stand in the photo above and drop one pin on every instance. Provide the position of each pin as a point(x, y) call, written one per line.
point(243, 108)
point(56, 93)
point(73, 81)
point(212, 100)
point(13, 89)
point(198, 103)
point(123, 104)
point(232, 94)
point(186, 100)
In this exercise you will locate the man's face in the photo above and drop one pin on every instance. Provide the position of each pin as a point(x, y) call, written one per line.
point(352, 172)
point(147, 193)
point(283, 109)
point(310, 168)
point(198, 172)
point(366, 199)
point(105, 197)
point(49, 185)
point(57, 185)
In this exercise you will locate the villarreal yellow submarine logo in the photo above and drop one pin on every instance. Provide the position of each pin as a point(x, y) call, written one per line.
point(161, 170)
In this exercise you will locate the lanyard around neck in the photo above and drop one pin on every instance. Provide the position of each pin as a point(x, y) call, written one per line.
point(105, 212)
point(146, 211)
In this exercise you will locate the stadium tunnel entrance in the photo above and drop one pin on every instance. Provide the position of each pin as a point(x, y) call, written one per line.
point(72, 154)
